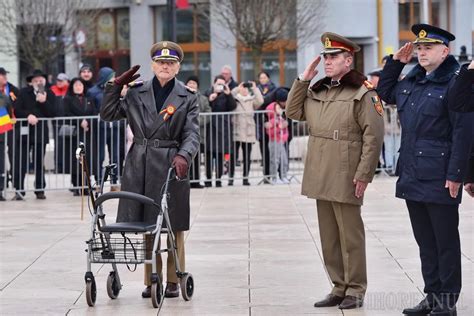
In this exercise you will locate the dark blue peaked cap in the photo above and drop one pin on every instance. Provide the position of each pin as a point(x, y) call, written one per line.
point(426, 33)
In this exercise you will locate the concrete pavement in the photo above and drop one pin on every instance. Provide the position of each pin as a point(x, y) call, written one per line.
point(252, 250)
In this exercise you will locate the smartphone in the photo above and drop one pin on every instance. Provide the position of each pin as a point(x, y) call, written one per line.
point(247, 84)
point(40, 88)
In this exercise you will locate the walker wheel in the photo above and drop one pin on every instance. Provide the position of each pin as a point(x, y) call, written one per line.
point(113, 287)
point(187, 286)
point(157, 293)
point(91, 292)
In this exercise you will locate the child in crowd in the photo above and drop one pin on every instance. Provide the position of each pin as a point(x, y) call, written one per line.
point(277, 131)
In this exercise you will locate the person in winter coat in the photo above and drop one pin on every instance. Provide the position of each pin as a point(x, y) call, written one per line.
point(76, 103)
point(219, 136)
point(344, 116)
point(434, 154)
point(265, 85)
point(461, 99)
point(10, 94)
point(277, 130)
point(193, 83)
point(163, 116)
point(61, 86)
point(34, 102)
point(248, 100)
point(86, 74)
point(110, 134)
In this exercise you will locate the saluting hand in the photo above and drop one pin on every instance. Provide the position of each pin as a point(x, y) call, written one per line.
point(453, 188)
point(310, 72)
point(360, 187)
point(405, 53)
point(128, 76)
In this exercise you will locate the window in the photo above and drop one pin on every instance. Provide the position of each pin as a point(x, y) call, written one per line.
point(279, 61)
point(193, 35)
point(411, 12)
point(107, 40)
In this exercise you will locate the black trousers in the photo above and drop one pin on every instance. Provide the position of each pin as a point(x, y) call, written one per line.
point(435, 227)
point(29, 152)
point(265, 153)
point(196, 167)
point(247, 151)
point(3, 175)
point(219, 165)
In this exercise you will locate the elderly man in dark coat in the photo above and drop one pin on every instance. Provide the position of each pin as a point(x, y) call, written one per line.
point(163, 116)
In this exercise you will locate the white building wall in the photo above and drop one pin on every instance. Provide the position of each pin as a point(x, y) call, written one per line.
point(462, 11)
point(356, 20)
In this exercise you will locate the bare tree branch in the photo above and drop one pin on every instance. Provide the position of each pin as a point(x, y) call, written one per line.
point(39, 31)
point(257, 25)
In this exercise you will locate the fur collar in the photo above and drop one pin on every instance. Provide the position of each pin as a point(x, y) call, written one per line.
point(352, 79)
point(443, 73)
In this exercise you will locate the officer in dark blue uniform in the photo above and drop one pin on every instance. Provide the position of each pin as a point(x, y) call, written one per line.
point(434, 153)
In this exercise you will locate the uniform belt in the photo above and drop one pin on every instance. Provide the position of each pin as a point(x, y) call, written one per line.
point(158, 143)
point(335, 135)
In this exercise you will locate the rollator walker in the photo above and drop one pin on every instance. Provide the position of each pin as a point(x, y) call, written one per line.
point(124, 243)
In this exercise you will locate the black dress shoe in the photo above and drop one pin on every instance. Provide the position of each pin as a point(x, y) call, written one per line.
point(330, 300)
point(351, 302)
point(444, 311)
point(231, 183)
point(196, 186)
point(172, 290)
point(146, 292)
point(208, 184)
point(40, 196)
point(423, 308)
point(246, 182)
point(218, 184)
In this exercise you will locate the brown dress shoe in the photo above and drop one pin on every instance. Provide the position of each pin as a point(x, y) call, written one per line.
point(172, 290)
point(330, 300)
point(351, 302)
point(146, 292)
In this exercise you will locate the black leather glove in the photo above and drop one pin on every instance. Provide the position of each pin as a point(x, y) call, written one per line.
point(181, 166)
point(128, 76)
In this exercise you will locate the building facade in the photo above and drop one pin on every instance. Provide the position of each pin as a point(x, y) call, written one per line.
point(124, 30)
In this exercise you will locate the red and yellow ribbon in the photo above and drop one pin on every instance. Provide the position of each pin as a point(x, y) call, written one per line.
point(168, 111)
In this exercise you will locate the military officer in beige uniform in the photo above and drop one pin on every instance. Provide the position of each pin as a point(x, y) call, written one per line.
point(344, 116)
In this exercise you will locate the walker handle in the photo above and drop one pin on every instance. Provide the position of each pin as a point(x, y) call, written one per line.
point(125, 195)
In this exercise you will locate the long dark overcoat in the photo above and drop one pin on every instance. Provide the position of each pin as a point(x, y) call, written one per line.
point(146, 166)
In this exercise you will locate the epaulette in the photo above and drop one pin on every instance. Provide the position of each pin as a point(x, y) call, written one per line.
point(190, 90)
point(368, 85)
point(136, 83)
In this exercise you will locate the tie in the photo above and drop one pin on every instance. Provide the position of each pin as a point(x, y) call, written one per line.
point(335, 83)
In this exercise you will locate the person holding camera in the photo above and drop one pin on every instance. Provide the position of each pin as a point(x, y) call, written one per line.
point(219, 136)
point(248, 98)
point(34, 102)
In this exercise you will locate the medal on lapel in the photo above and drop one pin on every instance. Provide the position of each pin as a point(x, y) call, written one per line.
point(168, 111)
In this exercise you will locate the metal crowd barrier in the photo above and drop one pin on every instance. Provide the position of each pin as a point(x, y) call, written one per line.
point(42, 157)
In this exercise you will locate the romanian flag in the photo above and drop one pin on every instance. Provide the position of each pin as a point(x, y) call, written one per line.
point(5, 121)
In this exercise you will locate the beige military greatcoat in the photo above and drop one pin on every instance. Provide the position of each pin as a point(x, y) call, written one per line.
point(346, 135)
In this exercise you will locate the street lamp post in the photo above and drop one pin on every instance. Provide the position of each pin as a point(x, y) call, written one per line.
point(172, 14)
